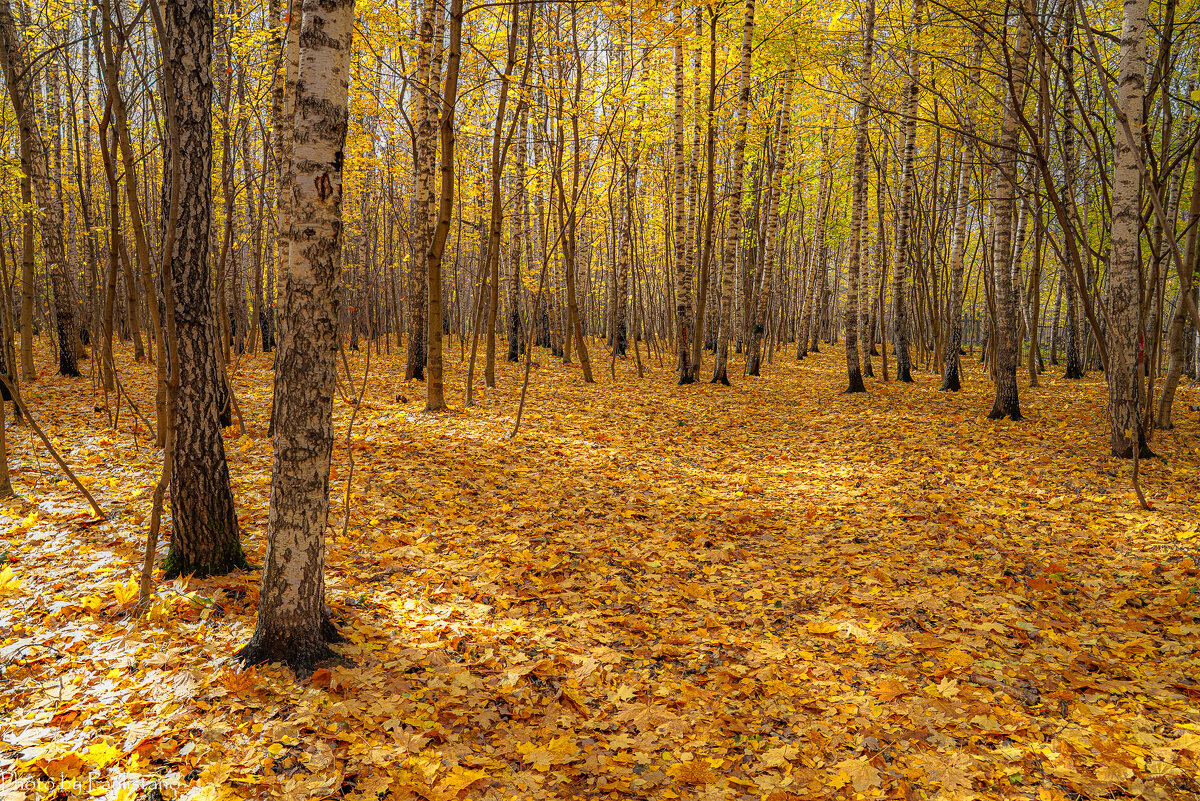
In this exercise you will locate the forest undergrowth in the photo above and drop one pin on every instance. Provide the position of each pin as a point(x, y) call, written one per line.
point(767, 591)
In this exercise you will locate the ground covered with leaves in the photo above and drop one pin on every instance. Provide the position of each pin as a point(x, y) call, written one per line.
point(771, 591)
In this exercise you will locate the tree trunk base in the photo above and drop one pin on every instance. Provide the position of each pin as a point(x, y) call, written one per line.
point(999, 412)
point(300, 656)
point(1144, 452)
point(174, 565)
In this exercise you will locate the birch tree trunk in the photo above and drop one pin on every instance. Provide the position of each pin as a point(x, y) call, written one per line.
point(421, 217)
point(18, 80)
point(904, 209)
point(687, 270)
point(518, 232)
point(1074, 353)
point(950, 368)
point(500, 147)
point(1007, 402)
point(1121, 285)
point(292, 627)
point(204, 532)
point(858, 206)
point(754, 351)
point(683, 276)
point(28, 372)
point(733, 229)
point(626, 229)
point(700, 315)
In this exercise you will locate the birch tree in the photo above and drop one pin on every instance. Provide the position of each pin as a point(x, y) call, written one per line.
point(904, 210)
point(958, 244)
point(424, 154)
point(1123, 282)
point(770, 243)
point(1007, 402)
point(292, 625)
point(858, 200)
point(733, 229)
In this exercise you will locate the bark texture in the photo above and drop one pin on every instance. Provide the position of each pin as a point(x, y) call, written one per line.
point(770, 243)
point(1121, 287)
point(292, 625)
point(858, 208)
point(951, 380)
point(422, 208)
point(1007, 402)
point(904, 211)
point(204, 531)
point(733, 229)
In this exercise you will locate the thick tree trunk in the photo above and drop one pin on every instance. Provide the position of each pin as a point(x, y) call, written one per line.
point(204, 534)
point(292, 625)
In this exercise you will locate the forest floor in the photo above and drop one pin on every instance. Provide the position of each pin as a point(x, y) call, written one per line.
point(767, 591)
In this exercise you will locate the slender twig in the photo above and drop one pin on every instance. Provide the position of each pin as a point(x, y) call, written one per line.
point(46, 441)
point(172, 339)
point(357, 404)
point(1137, 437)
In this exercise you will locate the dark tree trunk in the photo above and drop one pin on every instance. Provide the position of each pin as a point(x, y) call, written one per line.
point(204, 534)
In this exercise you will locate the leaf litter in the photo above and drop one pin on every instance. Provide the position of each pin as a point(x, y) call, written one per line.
point(773, 591)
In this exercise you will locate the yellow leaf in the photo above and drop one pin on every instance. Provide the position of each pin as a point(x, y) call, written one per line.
point(126, 592)
point(822, 628)
point(957, 659)
point(102, 754)
point(779, 757)
point(9, 581)
point(859, 772)
point(460, 779)
point(695, 771)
